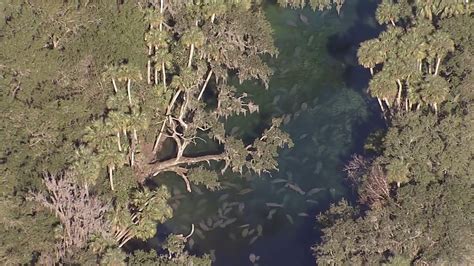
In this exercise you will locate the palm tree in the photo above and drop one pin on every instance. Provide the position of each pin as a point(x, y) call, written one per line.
point(158, 40)
point(118, 122)
point(413, 90)
point(397, 171)
point(387, 12)
point(440, 45)
point(164, 59)
point(213, 9)
point(128, 73)
point(389, 43)
point(193, 38)
point(154, 18)
point(383, 88)
point(111, 73)
point(369, 54)
point(434, 90)
point(111, 159)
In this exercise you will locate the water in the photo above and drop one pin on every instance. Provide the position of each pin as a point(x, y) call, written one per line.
point(318, 88)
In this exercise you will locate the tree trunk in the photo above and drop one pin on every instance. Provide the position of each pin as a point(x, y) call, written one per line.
point(205, 84)
point(191, 52)
point(150, 51)
point(213, 17)
point(158, 138)
point(115, 85)
point(149, 71)
point(399, 94)
point(111, 179)
point(129, 85)
point(156, 75)
point(380, 104)
point(420, 65)
point(164, 74)
point(406, 104)
point(118, 142)
point(387, 102)
point(438, 62)
point(393, 22)
point(135, 135)
point(435, 106)
point(372, 71)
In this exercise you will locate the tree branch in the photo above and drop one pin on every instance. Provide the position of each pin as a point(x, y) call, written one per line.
point(167, 165)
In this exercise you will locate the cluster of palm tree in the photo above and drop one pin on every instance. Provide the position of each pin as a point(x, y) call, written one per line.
point(407, 60)
point(157, 38)
point(113, 140)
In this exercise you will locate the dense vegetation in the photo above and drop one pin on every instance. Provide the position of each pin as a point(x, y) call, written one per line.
point(415, 187)
point(101, 100)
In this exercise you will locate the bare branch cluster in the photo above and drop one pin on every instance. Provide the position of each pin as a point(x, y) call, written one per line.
point(80, 213)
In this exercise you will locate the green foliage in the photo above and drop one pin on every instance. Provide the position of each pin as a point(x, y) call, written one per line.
point(427, 217)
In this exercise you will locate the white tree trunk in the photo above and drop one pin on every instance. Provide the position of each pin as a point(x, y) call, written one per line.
point(380, 104)
point(163, 70)
point(149, 71)
point(438, 62)
point(118, 142)
point(115, 85)
point(129, 85)
point(205, 84)
point(111, 179)
point(191, 53)
point(399, 94)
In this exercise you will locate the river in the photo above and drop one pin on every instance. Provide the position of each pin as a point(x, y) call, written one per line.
point(318, 89)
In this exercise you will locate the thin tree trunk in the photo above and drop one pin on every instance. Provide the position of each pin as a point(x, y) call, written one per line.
point(164, 74)
point(205, 84)
point(380, 104)
point(399, 94)
point(170, 107)
point(435, 105)
point(129, 85)
point(150, 51)
point(387, 102)
point(111, 179)
point(158, 138)
point(135, 135)
point(118, 142)
point(420, 65)
point(393, 22)
point(115, 85)
point(156, 75)
point(438, 62)
point(213, 17)
point(191, 52)
point(149, 71)
point(372, 71)
point(406, 104)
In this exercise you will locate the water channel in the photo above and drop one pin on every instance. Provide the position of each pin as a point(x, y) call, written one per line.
point(319, 90)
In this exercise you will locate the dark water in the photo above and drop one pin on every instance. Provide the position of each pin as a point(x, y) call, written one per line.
point(319, 90)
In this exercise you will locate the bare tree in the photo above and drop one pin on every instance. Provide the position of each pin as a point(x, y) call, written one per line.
point(81, 214)
point(370, 180)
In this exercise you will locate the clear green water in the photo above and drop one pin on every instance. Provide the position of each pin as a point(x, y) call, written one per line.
point(272, 216)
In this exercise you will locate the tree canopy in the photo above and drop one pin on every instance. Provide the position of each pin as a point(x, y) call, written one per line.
point(414, 202)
